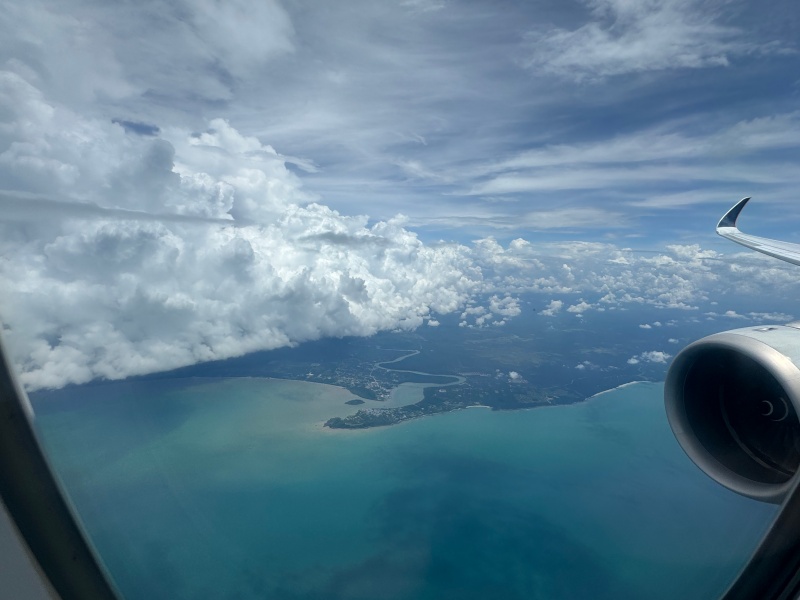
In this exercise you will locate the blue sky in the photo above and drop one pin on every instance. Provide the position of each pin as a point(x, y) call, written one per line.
point(183, 181)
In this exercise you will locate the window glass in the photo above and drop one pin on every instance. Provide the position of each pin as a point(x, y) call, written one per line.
point(377, 300)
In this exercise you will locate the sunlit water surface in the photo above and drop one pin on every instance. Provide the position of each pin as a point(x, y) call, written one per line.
point(233, 489)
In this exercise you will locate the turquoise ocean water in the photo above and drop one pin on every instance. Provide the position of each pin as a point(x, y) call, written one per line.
point(231, 488)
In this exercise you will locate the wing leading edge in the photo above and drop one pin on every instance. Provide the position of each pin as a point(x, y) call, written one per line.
point(782, 250)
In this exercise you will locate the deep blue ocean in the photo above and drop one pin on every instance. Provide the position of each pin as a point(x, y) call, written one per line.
point(231, 488)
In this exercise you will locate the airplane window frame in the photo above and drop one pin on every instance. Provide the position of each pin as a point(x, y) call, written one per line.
point(38, 506)
point(773, 571)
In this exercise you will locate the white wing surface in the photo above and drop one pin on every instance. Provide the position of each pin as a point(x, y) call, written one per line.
point(782, 250)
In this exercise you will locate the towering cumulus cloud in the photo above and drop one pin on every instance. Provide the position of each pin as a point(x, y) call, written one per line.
point(188, 247)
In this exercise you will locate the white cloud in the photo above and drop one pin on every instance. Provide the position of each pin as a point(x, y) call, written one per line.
point(579, 308)
point(653, 356)
point(645, 326)
point(754, 316)
point(519, 254)
point(682, 277)
point(629, 37)
point(656, 356)
point(553, 308)
point(637, 166)
point(197, 51)
point(728, 314)
point(424, 5)
point(774, 316)
point(506, 307)
point(104, 297)
point(242, 36)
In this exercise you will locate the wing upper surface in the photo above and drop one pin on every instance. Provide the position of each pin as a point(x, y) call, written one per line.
point(783, 250)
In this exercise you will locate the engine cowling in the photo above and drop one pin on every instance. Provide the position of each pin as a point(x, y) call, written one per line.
point(733, 401)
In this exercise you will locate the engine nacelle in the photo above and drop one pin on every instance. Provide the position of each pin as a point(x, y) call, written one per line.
point(733, 401)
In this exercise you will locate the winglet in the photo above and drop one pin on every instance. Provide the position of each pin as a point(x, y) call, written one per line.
point(729, 220)
point(782, 250)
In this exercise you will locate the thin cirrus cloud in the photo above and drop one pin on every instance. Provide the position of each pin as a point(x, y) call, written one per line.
point(624, 37)
point(645, 163)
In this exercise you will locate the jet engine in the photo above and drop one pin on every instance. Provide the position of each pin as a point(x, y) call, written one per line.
point(733, 401)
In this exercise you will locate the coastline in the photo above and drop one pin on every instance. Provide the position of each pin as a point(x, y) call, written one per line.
point(334, 407)
point(620, 387)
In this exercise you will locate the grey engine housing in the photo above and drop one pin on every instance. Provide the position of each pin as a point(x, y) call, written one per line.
point(732, 400)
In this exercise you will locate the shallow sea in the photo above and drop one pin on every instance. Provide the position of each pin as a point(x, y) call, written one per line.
point(231, 488)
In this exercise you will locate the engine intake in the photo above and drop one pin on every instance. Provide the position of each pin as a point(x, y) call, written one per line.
point(733, 400)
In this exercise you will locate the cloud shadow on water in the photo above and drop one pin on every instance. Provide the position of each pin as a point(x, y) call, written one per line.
point(453, 530)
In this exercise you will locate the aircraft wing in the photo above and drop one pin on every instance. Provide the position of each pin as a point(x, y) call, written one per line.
point(782, 250)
